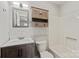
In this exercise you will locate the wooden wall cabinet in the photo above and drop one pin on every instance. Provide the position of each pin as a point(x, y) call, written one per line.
point(18, 51)
point(39, 13)
point(39, 17)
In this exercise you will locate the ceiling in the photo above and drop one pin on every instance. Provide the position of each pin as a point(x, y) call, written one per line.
point(58, 2)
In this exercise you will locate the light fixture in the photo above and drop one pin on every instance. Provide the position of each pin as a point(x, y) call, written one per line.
point(16, 3)
point(25, 5)
point(20, 4)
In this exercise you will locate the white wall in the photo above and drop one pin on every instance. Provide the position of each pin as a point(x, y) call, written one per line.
point(54, 27)
point(70, 16)
point(56, 35)
point(68, 27)
point(4, 22)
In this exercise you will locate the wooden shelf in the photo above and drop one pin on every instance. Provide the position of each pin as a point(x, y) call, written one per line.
point(40, 20)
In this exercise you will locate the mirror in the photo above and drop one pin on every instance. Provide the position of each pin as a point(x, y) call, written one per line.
point(20, 17)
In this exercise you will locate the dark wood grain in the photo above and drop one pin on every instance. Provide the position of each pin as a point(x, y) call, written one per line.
point(18, 51)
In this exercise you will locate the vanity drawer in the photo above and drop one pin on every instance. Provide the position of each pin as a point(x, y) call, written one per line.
point(45, 24)
point(43, 14)
point(35, 12)
point(39, 13)
point(34, 24)
point(39, 24)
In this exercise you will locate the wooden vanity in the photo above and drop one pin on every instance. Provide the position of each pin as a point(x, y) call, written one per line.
point(25, 48)
point(18, 51)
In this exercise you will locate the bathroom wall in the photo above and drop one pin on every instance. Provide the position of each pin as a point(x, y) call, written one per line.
point(70, 16)
point(67, 42)
point(56, 35)
point(54, 27)
point(4, 22)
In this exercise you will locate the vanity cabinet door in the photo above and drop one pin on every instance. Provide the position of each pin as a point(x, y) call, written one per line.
point(39, 24)
point(26, 51)
point(22, 51)
point(9, 52)
point(30, 50)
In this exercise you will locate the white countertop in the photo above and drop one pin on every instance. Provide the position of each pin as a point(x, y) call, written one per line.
point(17, 42)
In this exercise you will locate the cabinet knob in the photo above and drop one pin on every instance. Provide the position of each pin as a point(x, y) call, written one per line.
point(36, 24)
point(40, 13)
point(44, 25)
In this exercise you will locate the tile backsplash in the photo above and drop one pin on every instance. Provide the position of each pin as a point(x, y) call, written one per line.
point(29, 32)
point(20, 32)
